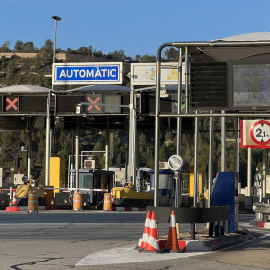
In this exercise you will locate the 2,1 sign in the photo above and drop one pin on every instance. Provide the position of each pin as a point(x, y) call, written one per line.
point(255, 134)
point(260, 132)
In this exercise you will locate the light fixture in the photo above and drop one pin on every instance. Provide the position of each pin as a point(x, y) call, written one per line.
point(57, 18)
point(175, 163)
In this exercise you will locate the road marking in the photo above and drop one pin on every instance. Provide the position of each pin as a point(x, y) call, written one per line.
point(128, 254)
point(264, 236)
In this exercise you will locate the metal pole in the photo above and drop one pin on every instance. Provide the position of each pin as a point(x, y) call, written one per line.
point(157, 135)
point(29, 155)
point(131, 152)
point(77, 155)
point(265, 154)
point(249, 173)
point(107, 151)
point(237, 145)
point(48, 123)
point(179, 131)
point(210, 167)
point(186, 79)
point(223, 143)
point(179, 104)
point(48, 118)
point(196, 180)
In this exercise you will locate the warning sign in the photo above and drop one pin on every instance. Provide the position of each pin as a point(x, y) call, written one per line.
point(255, 134)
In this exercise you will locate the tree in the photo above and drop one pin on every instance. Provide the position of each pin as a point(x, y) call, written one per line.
point(117, 55)
point(19, 46)
point(46, 52)
point(171, 55)
point(5, 47)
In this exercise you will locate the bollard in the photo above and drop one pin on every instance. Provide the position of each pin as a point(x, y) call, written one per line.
point(107, 204)
point(77, 201)
point(49, 195)
point(32, 202)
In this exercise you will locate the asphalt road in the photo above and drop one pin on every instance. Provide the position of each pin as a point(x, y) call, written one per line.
point(106, 240)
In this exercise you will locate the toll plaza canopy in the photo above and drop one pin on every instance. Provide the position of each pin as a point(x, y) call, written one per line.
point(227, 77)
point(237, 47)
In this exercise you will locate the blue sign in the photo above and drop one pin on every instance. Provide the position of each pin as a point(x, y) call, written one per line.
point(87, 73)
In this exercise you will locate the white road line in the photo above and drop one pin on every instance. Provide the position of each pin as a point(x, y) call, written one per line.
point(264, 236)
point(128, 254)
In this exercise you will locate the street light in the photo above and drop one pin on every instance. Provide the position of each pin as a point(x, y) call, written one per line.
point(56, 19)
point(48, 119)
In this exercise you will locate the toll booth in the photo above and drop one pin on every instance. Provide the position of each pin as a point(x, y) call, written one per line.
point(93, 179)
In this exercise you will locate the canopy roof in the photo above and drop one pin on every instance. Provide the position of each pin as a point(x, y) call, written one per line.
point(237, 47)
point(102, 88)
point(24, 89)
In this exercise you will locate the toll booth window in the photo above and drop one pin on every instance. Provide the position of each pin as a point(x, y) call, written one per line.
point(80, 180)
point(88, 181)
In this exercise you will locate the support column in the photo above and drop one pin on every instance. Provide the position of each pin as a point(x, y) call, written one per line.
point(223, 144)
point(210, 166)
point(29, 155)
point(265, 162)
point(77, 146)
point(249, 173)
point(47, 159)
point(132, 144)
point(107, 151)
point(178, 180)
point(196, 175)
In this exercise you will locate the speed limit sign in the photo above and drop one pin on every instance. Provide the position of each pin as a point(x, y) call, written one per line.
point(255, 134)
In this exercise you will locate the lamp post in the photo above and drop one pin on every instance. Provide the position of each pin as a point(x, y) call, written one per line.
point(48, 118)
point(56, 19)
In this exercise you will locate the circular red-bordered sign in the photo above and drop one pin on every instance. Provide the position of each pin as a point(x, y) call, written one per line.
point(260, 132)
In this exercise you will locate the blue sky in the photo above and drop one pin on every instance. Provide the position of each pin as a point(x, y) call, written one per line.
point(137, 26)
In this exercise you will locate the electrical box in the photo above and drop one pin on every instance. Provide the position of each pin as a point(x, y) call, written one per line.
point(57, 173)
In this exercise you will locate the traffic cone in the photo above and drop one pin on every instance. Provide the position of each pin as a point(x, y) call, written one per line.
point(152, 241)
point(172, 241)
point(143, 240)
point(13, 207)
point(14, 200)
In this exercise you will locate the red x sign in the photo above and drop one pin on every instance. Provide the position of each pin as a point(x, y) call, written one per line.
point(95, 106)
point(11, 104)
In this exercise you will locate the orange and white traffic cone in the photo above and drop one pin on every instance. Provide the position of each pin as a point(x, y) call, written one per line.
point(143, 240)
point(172, 241)
point(14, 200)
point(13, 207)
point(152, 241)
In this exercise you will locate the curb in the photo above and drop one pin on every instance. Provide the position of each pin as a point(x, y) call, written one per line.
point(208, 245)
point(260, 224)
point(128, 209)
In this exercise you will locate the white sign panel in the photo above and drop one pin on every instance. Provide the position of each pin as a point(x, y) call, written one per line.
point(88, 73)
point(255, 133)
point(145, 74)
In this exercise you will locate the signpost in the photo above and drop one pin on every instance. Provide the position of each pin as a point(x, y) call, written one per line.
point(87, 73)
